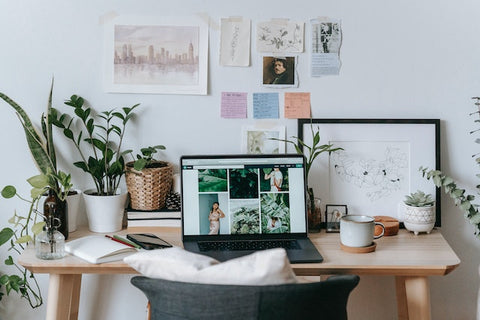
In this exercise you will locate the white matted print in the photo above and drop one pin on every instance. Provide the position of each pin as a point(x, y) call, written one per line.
point(165, 55)
point(379, 165)
point(257, 140)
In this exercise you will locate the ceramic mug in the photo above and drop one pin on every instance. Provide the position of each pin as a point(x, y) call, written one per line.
point(358, 231)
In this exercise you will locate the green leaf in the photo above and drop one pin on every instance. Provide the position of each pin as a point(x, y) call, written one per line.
point(9, 261)
point(37, 192)
point(38, 181)
point(38, 227)
point(9, 192)
point(140, 164)
point(24, 239)
point(5, 235)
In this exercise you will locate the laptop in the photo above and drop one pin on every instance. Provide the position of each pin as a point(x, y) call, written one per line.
point(234, 205)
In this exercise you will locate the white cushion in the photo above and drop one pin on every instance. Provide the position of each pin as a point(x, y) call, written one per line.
point(267, 267)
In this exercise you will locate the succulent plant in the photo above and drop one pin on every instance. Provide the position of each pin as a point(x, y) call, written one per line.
point(419, 199)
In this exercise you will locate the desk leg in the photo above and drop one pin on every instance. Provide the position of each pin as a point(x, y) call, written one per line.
point(63, 296)
point(413, 298)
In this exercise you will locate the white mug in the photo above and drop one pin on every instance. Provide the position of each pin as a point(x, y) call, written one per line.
point(358, 231)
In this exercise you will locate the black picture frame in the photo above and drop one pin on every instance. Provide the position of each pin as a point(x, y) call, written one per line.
point(333, 214)
point(421, 136)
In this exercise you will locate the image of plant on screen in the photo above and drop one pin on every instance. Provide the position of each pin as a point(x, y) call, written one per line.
point(212, 180)
point(243, 183)
point(245, 216)
point(275, 212)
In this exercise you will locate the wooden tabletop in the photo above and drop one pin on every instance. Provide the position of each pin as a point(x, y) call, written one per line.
point(402, 255)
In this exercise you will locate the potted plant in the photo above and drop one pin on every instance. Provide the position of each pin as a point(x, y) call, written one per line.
point(419, 212)
point(25, 227)
point(311, 153)
point(103, 135)
point(149, 181)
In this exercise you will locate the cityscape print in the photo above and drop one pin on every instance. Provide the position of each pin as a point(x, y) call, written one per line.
point(156, 55)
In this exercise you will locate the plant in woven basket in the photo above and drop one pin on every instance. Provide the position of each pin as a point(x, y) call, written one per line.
point(149, 181)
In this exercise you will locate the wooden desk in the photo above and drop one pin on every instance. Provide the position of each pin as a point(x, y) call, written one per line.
point(411, 259)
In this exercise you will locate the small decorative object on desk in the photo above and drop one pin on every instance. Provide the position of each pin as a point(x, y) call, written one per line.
point(50, 243)
point(173, 201)
point(333, 214)
point(419, 212)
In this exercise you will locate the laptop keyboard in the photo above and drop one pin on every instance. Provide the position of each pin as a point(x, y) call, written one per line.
point(247, 245)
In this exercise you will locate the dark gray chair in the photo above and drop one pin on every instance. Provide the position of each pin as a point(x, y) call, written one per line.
point(181, 300)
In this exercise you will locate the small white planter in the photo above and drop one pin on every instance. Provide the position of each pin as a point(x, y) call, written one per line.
point(73, 202)
point(419, 219)
point(105, 213)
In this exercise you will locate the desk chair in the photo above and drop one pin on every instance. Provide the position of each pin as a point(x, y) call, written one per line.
point(182, 300)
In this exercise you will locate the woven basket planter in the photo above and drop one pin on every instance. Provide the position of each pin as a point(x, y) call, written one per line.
point(149, 188)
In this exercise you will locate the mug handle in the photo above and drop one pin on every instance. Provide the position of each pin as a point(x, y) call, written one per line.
point(383, 230)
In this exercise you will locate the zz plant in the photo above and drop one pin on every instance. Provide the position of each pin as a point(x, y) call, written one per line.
point(103, 135)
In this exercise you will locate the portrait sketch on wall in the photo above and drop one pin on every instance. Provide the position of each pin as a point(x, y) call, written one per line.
point(162, 56)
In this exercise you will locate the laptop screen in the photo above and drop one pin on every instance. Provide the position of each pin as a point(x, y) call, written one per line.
point(243, 195)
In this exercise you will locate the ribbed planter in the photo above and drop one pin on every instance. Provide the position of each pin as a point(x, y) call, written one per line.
point(149, 188)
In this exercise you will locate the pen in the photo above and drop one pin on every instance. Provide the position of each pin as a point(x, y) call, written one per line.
point(119, 241)
point(126, 241)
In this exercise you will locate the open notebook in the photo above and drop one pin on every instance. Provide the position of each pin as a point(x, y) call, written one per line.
point(98, 249)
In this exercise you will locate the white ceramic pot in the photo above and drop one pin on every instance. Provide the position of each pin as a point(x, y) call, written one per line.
point(73, 208)
point(105, 213)
point(419, 219)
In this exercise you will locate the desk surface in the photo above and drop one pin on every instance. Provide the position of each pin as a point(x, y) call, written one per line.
point(402, 255)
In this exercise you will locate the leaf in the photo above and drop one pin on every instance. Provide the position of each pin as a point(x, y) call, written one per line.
point(5, 235)
point(140, 164)
point(38, 181)
point(38, 227)
point(9, 192)
point(9, 261)
point(24, 239)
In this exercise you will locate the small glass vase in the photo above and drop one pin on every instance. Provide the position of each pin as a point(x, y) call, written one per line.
point(50, 243)
point(314, 215)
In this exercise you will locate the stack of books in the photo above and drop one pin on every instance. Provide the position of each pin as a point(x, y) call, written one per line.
point(160, 218)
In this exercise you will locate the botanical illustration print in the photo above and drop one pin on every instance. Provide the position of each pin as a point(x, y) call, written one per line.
point(260, 142)
point(280, 37)
point(156, 55)
point(378, 177)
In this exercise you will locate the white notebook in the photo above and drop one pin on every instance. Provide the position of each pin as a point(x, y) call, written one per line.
point(98, 249)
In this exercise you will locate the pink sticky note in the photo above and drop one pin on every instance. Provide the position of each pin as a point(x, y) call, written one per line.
point(297, 105)
point(234, 105)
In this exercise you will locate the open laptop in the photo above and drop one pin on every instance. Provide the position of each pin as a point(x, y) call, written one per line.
point(233, 205)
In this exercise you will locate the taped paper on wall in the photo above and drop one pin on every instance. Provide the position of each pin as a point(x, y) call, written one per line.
point(326, 43)
point(234, 105)
point(235, 42)
point(280, 36)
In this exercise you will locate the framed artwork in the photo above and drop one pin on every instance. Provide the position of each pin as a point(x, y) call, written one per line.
point(259, 140)
point(379, 164)
point(164, 55)
point(279, 71)
point(333, 214)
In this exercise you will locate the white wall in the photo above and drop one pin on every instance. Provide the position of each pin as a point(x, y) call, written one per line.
point(401, 59)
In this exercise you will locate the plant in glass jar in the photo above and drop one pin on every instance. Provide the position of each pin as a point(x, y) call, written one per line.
point(311, 152)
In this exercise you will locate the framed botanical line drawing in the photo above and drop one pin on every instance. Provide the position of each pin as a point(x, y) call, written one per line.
point(379, 164)
point(333, 214)
point(165, 55)
point(259, 140)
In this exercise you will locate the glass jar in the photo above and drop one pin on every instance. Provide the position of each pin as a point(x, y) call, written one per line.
point(50, 243)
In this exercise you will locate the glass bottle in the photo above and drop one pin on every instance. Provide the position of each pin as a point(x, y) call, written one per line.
point(53, 205)
point(50, 243)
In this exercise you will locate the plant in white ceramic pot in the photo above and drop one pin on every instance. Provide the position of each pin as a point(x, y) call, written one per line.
point(419, 212)
point(101, 157)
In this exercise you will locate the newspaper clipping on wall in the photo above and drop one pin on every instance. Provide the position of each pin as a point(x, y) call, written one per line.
point(326, 43)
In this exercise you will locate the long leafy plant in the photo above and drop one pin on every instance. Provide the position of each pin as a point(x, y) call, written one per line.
point(459, 195)
point(24, 227)
point(103, 134)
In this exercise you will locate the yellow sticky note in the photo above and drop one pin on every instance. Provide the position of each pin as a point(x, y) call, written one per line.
point(297, 105)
